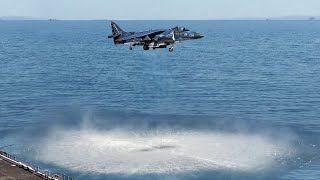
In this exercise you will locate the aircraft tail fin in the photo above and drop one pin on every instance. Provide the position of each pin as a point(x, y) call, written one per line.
point(116, 31)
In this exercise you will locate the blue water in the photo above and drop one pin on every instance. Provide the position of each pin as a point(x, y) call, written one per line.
point(244, 78)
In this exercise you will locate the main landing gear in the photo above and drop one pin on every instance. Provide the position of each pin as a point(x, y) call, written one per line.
point(145, 47)
point(171, 49)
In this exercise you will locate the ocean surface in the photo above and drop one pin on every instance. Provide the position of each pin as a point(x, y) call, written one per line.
point(241, 103)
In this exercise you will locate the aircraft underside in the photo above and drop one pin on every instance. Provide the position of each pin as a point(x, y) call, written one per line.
point(151, 45)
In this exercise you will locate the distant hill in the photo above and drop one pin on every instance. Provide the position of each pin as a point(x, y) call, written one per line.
point(297, 18)
point(280, 18)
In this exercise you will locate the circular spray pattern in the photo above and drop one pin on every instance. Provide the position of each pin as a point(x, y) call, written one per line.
point(160, 151)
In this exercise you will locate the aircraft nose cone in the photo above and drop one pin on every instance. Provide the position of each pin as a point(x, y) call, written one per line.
point(198, 36)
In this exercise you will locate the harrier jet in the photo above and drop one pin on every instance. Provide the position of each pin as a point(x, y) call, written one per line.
point(159, 38)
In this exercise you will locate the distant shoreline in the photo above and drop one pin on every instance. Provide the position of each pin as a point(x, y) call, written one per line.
point(288, 18)
point(1, 20)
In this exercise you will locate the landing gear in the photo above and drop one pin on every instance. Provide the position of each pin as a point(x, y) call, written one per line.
point(171, 49)
point(130, 47)
point(145, 47)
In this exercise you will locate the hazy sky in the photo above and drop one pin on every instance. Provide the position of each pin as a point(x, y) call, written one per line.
point(164, 9)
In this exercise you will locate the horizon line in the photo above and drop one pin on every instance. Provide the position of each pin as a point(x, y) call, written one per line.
point(291, 17)
point(159, 19)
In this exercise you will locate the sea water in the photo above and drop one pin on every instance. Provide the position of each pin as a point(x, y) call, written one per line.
point(241, 103)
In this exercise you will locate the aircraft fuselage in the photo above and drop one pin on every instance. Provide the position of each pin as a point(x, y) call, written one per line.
point(159, 38)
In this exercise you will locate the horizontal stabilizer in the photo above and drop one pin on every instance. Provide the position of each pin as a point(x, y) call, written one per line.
point(114, 36)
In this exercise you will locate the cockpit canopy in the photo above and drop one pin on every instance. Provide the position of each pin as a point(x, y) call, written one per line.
point(180, 29)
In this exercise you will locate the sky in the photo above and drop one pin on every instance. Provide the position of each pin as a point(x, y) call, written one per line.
point(164, 9)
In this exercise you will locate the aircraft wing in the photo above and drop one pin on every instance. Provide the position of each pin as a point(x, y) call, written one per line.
point(143, 35)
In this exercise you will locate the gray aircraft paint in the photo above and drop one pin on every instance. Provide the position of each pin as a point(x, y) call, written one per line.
point(159, 38)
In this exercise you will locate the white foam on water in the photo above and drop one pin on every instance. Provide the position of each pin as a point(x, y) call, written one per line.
point(164, 151)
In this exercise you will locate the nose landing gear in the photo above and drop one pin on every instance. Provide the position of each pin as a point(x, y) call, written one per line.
point(171, 49)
